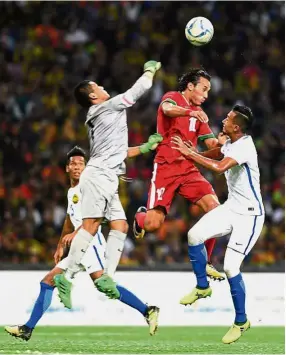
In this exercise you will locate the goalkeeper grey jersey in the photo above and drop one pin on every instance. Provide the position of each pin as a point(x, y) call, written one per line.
point(107, 128)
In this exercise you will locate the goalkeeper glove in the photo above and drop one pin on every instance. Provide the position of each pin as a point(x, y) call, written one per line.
point(152, 144)
point(152, 66)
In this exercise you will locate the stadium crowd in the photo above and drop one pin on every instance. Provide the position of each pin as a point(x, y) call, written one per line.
point(46, 48)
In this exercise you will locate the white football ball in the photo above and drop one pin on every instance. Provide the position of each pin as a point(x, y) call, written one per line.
point(199, 31)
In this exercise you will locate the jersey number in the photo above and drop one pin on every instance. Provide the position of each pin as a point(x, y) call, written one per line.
point(192, 127)
point(160, 193)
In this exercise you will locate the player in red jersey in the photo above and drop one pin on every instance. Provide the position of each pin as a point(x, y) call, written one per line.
point(180, 114)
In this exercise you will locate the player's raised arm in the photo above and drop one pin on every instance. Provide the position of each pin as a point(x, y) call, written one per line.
point(170, 109)
point(144, 148)
point(142, 85)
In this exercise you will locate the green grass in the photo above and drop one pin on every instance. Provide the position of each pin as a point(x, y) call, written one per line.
point(131, 340)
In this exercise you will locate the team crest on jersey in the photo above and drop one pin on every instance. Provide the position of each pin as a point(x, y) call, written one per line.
point(75, 198)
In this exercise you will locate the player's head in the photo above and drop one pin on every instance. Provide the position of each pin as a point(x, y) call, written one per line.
point(88, 93)
point(75, 162)
point(238, 120)
point(195, 84)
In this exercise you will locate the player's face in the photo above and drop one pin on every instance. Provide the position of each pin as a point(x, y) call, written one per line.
point(229, 125)
point(98, 92)
point(75, 167)
point(199, 92)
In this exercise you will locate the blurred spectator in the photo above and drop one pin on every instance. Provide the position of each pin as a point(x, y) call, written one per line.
point(47, 47)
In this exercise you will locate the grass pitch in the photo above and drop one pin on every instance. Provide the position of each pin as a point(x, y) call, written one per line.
point(136, 340)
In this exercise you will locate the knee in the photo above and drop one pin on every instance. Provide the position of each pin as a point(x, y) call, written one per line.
point(211, 205)
point(230, 269)
point(119, 225)
point(91, 225)
point(153, 221)
point(194, 237)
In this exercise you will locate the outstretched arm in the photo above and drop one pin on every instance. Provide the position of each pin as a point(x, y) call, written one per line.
point(151, 144)
point(142, 85)
point(213, 165)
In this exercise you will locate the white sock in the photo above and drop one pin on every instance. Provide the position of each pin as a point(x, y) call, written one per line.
point(78, 248)
point(114, 249)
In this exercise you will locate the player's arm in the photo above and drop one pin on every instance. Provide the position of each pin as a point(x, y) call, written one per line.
point(67, 229)
point(171, 109)
point(142, 85)
point(144, 148)
point(213, 165)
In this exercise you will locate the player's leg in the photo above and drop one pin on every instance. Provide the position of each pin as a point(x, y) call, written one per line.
point(114, 246)
point(98, 188)
point(94, 263)
point(41, 305)
point(208, 203)
point(214, 224)
point(164, 183)
point(199, 191)
point(246, 231)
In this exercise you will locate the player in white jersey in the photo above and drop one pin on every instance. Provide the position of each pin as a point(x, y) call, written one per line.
point(93, 260)
point(241, 216)
point(106, 122)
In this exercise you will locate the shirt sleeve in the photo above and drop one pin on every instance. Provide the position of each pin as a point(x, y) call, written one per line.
point(130, 97)
point(204, 132)
point(68, 206)
point(170, 97)
point(239, 152)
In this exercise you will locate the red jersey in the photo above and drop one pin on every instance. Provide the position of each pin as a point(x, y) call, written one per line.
point(188, 128)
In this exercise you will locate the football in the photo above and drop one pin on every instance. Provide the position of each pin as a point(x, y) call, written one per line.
point(199, 31)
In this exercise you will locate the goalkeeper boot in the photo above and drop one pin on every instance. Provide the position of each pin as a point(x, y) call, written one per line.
point(137, 230)
point(106, 285)
point(195, 295)
point(213, 273)
point(235, 332)
point(19, 331)
point(151, 317)
point(64, 287)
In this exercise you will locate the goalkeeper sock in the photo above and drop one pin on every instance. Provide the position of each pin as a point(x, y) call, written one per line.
point(237, 289)
point(210, 243)
point(140, 219)
point(42, 303)
point(77, 251)
point(131, 300)
point(198, 258)
point(113, 251)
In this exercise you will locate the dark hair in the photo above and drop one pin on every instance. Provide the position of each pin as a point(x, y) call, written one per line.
point(81, 93)
point(192, 76)
point(75, 152)
point(244, 117)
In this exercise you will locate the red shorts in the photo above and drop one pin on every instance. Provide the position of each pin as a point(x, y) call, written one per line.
point(179, 177)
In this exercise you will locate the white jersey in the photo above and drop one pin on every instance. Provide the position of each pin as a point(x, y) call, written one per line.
point(243, 180)
point(107, 128)
point(74, 207)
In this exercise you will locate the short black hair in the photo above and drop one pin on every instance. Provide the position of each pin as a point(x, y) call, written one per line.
point(75, 152)
point(81, 93)
point(244, 117)
point(192, 76)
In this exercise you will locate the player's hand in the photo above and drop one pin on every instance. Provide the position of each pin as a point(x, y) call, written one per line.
point(67, 239)
point(222, 138)
point(59, 254)
point(152, 144)
point(200, 115)
point(152, 66)
point(181, 146)
point(189, 144)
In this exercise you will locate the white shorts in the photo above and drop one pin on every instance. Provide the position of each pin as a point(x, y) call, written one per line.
point(99, 189)
point(244, 230)
point(94, 258)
